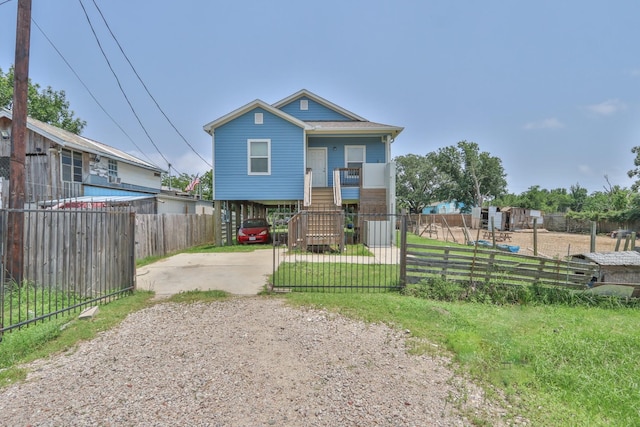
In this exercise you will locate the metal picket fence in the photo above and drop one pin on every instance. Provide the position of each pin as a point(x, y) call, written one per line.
point(71, 259)
point(331, 251)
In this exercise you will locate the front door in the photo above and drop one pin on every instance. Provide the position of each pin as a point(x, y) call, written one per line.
point(317, 161)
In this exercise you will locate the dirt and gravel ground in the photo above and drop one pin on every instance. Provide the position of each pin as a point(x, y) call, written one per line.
point(250, 361)
point(549, 244)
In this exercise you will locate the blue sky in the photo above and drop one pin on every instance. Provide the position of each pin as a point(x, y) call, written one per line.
point(550, 87)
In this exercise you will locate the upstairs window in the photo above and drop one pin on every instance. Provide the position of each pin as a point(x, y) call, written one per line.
point(259, 156)
point(71, 166)
point(354, 156)
point(113, 168)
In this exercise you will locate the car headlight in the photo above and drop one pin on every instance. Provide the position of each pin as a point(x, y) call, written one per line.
point(263, 233)
point(241, 233)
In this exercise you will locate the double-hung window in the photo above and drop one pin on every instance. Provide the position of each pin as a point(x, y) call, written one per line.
point(354, 156)
point(71, 166)
point(259, 156)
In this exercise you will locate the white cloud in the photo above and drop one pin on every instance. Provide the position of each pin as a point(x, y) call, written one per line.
point(585, 169)
point(607, 108)
point(551, 123)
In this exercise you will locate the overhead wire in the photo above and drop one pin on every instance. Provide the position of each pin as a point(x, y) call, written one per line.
point(133, 110)
point(145, 86)
point(89, 90)
point(5, 2)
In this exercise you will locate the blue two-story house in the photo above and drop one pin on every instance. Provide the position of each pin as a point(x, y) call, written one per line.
point(304, 153)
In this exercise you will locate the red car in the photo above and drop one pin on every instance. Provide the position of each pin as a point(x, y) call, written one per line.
point(255, 230)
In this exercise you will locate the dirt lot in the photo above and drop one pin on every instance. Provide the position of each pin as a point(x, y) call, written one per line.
point(549, 244)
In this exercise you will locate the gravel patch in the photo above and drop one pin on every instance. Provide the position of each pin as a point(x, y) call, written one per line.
point(248, 361)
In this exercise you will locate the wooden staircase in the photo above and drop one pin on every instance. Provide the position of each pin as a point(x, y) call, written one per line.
point(321, 225)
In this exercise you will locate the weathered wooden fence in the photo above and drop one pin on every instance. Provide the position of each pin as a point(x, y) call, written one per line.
point(159, 235)
point(469, 265)
point(70, 260)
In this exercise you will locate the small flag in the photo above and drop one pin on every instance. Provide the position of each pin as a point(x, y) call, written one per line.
point(192, 184)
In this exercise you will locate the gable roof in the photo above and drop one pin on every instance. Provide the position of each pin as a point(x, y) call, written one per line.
point(209, 127)
point(305, 93)
point(357, 125)
point(70, 140)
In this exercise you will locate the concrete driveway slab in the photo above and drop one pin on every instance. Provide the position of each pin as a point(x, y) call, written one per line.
point(239, 273)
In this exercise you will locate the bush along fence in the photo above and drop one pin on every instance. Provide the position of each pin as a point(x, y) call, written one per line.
point(71, 259)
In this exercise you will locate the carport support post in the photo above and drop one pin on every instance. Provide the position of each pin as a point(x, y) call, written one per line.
point(593, 237)
point(217, 222)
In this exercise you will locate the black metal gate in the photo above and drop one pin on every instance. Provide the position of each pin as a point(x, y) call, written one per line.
point(334, 251)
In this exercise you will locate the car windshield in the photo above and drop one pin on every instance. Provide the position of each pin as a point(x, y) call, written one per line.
point(253, 223)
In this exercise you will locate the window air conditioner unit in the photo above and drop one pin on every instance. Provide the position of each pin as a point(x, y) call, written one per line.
point(114, 180)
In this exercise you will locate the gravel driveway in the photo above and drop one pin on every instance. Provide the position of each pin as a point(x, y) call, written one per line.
point(248, 361)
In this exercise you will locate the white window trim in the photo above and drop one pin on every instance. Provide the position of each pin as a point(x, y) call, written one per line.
point(249, 141)
point(364, 154)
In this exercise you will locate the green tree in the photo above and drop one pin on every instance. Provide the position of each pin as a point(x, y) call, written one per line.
point(47, 105)
point(418, 181)
point(635, 172)
point(474, 175)
point(578, 197)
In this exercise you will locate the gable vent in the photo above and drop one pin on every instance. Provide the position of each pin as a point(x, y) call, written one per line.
point(304, 104)
point(258, 118)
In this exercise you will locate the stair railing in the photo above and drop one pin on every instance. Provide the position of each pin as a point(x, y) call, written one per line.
point(337, 189)
point(308, 180)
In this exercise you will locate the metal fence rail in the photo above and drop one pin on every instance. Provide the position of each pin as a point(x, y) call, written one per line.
point(366, 258)
point(71, 259)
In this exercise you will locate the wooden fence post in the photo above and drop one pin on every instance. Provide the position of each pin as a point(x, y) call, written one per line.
point(535, 236)
point(592, 247)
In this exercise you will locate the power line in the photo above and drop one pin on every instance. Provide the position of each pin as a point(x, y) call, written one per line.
point(5, 2)
point(88, 90)
point(119, 84)
point(145, 86)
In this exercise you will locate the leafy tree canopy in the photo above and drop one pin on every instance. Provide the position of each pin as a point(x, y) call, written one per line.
point(459, 173)
point(419, 182)
point(47, 105)
point(474, 175)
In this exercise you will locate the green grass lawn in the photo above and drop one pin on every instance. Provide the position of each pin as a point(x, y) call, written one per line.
point(335, 276)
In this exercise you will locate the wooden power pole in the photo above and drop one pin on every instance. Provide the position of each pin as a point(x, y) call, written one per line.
point(15, 229)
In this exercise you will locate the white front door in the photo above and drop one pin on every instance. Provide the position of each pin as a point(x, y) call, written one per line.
point(317, 161)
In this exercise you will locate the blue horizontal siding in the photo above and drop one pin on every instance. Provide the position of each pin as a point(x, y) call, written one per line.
point(104, 191)
point(232, 180)
point(375, 151)
point(350, 193)
point(316, 111)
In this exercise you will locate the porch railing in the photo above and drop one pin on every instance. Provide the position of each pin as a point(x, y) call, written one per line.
point(337, 188)
point(349, 177)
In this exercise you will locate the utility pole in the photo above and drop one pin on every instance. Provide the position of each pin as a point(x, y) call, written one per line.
point(18, 141)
